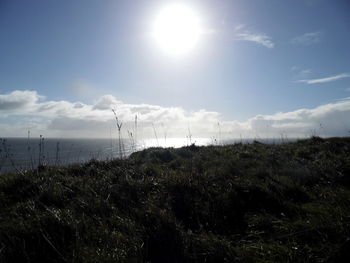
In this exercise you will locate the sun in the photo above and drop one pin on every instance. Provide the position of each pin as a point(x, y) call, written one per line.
point(176, 29)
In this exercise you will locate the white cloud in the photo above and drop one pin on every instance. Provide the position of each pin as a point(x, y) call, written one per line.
point(257, 38)
point(308, 38)
point(327, 79)
point(106, 102)
point(77, 119)
point(328, 120)
point(18, 100)
point(245, 35)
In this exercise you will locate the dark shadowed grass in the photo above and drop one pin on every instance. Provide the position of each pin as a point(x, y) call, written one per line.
point(237, 203)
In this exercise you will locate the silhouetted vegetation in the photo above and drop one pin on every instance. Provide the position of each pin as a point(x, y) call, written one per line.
point(237, 203)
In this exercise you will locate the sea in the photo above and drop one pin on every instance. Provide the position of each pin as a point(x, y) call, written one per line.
point(28, 153)
point(21, 154)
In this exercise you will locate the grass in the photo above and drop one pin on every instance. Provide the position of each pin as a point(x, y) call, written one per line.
point(237, 203)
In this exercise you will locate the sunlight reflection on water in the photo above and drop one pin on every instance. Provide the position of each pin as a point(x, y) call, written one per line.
point(174, 142)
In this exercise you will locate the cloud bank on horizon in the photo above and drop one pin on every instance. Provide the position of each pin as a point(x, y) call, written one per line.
point(23, 110)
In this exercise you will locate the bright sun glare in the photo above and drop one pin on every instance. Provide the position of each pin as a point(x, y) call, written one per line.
point(176, 29)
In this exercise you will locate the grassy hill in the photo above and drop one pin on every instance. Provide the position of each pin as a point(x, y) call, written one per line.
point(237, 203)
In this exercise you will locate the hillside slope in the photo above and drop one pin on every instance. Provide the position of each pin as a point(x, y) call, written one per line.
point(237, 203)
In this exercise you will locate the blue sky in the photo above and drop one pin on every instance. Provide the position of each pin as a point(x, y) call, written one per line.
point(257, 58)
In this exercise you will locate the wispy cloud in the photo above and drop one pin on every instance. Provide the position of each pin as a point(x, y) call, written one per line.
point(239, 27)
point(343, 99)
point(301, 73)
point(308, 38)
point(305, 71)
point(258, 38)
point(327, 79)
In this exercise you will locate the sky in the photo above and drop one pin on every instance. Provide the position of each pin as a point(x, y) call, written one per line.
point(259, 68)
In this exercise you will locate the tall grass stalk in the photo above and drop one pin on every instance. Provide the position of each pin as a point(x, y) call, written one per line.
point(132, 141)
point(110, 142)
point(135, 132)
point(155, 134)
point(189, 136)
point(119, 127)
point(8, 155)
point(165, 133)
point(30, 156)
point(41, 141)
point(57, 157)
point(2, 154)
